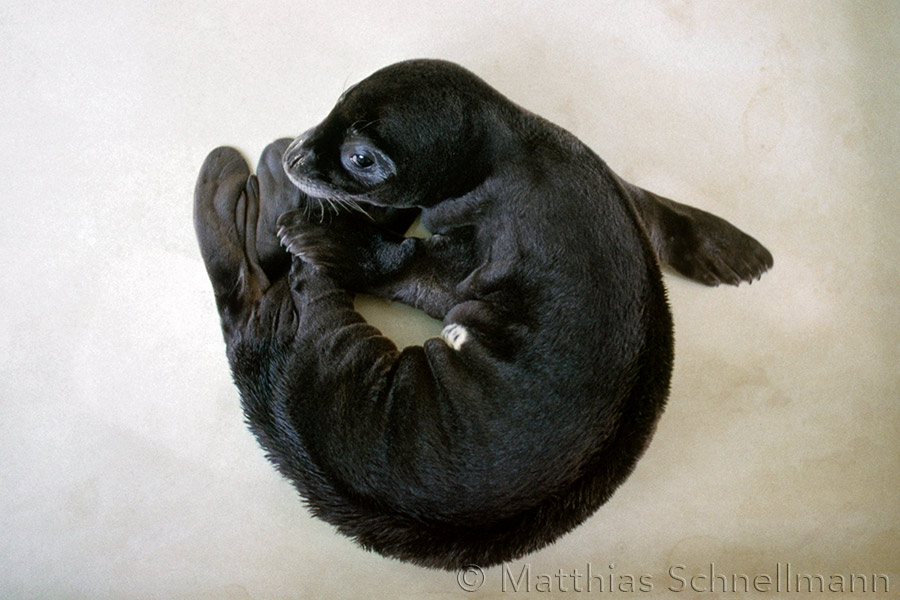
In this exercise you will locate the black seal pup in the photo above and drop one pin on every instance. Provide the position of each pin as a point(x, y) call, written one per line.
point(543, 265)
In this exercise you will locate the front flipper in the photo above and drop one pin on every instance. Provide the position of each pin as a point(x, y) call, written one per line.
point(234, 218)
point(348, 247)
point(697, 244)
point(361, 256)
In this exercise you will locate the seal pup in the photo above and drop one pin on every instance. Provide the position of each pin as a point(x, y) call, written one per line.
point(554, 364)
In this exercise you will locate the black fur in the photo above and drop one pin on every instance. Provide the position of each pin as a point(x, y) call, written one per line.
point(439, 455)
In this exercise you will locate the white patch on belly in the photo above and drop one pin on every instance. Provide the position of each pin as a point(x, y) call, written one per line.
point(455, 335)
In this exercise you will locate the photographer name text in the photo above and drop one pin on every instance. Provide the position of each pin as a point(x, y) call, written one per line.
point(781, 578)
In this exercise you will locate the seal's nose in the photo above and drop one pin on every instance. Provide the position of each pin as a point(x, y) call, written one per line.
point(299, 155)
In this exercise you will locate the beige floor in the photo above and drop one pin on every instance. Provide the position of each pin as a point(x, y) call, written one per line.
point(126, 470)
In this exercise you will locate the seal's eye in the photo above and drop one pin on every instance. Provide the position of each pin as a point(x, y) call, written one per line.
point(365, 162)
point(362, 161)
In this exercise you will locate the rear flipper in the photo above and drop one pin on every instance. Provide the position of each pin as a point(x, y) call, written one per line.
point(278, 196)
point(243, 257)
point(225, 201)
point(697, 244)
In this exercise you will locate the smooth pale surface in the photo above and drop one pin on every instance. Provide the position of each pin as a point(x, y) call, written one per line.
point(126, 469)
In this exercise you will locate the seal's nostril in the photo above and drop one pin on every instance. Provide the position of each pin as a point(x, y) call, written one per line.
point(298, 157)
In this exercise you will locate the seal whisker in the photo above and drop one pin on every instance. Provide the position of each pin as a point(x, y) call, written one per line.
point(353, 205)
